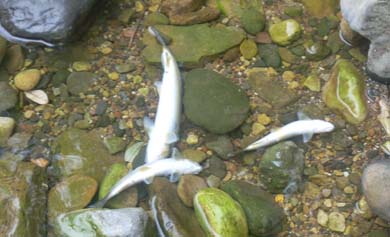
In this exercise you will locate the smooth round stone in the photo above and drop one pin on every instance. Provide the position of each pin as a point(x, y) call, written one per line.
point(8, 96)
point(14, 58)
point(3, 48)
point(194, 155)
point(125, 68)
point(322, 218)
point(317, 51)
point(6, 127)
point(115, 144)
point(80, 82)
point(188, 186)
point(253, 21)
point(376, 187)
point(28, 79)
point(219, 214)
point(248, 49)
point(81, 66)
point(285, 32)
point(72, 193)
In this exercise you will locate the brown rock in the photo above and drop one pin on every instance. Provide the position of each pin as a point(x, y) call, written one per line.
point(14, 58)
point(174, 7)
point(263, 38)
point(201, 16)
point(232, 54)
point(188, 186)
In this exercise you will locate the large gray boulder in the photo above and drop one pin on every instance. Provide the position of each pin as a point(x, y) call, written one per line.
point(371, 19)
point(42, 21)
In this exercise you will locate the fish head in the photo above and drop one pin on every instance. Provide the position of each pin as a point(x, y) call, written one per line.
point(189, 167)
point(324, 126)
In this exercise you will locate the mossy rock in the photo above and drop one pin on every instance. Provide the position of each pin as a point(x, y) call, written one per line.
point(285, 32)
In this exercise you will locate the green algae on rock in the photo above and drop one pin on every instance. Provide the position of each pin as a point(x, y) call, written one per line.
point(71, 194)
point(127, 198)
point(237, 8)
point(80, 152)
point(192, 43)
point(282, 164)
point(316, 51)
point(321, 8)
point(248, 49)
point(93, 222)
point(214, 102)
point(285, 32)
point(313, 82)
point(345, 92)
point(219, 214)
point(6, 128)
point(23, 188)
point(253, 21)
point(263, 215)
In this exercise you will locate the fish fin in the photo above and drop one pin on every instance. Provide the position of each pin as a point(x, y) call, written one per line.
point(176, 153)
point(174, 177)
point(274, 130)
point(149, 180)
point(148, 124)
point(158, 86)
point(302, 116)
point(307, 137)
point(172, 137)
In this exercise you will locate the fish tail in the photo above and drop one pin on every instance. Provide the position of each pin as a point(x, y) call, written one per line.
point(157, 34)
point(99, 204)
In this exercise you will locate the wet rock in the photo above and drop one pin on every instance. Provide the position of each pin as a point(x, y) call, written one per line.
point(127, 198)
point(345, 92)
point(322, 8)
point(287, 56)
point(285, 32)
point(281, 166)
point(3, 48)
point(263, 38)
point(174, 7)
point(263, 215)
point(80, 82)
point(316, 51)
point(222, 146)
point(293, 10)
point(129, 222)
point(213, 102)
point(125, 68)
point(14, 58)
point(115, 144)
point(60, 78)
point(214, 166)
point(313, 82)
point(71, 194)
point(80, 152)
point(54, 21)
point(270, 89)
point(6, 128)
point(236, 8)
point(232, 54)
point(336, 222)
point(269, 53)
point(174, 217)
point(19, 141)
point(156, 18)
point(27, 79)
point(248, 49)
point(81, 66)
point(322, 218)
point(375, 183)
point(194, 155)
point(253, 21)
point(370, 19)
point(204, 40)
point(203, 15)
point(188, 186)
point(22, 199)
point(219, 214)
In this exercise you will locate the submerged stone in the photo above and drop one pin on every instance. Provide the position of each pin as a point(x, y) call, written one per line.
point(237, 8)
point(281, 166)
point(174, 217)
point(345, 92)
point(316, 51)
point(192, 43)
point(71, 194)
point(263, 215)
point(285, 32)
point(8, 96)
point(127, 198)
point(214, 102)
point(253, 21)
point(126, 222)
point(219, 214)
point(6, 128)
point(80, 152)
point(23, 188)
point(321, 8)
point(248, 49)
